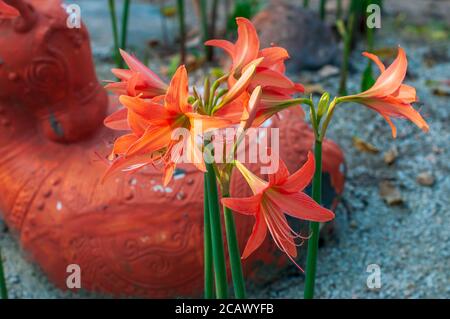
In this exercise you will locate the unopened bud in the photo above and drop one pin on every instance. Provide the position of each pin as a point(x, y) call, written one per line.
point(323, 104)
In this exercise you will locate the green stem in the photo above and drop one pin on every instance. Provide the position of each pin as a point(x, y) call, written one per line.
point(204, 26)
point(346, 58)
point(112, 12)
point(233, 250)
point(208, 261)
point(3, 289)
point(214, 8)
point(220, 270)
point(181, 21)
point(313, 242)
point(323, 10)
point(339, 9)
point(369, 31)
point(306, 3)
point(124, 34)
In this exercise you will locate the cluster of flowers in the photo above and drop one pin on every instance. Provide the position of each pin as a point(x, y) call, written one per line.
point(256, 89)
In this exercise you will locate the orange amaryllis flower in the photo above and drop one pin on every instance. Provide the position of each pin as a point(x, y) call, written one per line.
point(270, 73)
point(138, 80)
point(7, 11)
point(154, 125)
point(389, 96)
point(282, 194)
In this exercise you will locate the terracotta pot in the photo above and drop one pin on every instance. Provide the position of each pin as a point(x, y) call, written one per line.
point(131, 236)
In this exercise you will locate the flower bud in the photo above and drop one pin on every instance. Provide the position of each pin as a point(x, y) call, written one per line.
point(323, 104)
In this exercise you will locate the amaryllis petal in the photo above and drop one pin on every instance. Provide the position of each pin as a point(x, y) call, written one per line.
point(392, 107)
point(207, 122)
point(270, 78)
point(227, 46)
point(123, 143)
point(273, 56)
point(243, 82)
point(257, 236)
point(153, 139)
point(249, 113)
point(247, 44)
point(117, 120)
point(301, 206)
point(393, 128)
point(122, 74)
point(232, 111)
point(281, 175)
point(177, 94)
point(390, 80)
point(300, 179)
point(406, 93)
point(244, 205)
point(169, 169)
point(257, 184)
point(152, 112)
point(132, 83)
point(137, 123)
point(375, 59)
point(148, 75)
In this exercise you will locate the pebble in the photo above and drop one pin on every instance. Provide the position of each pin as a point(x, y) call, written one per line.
point(390, 193)
point(390, 156)
point(425, 179)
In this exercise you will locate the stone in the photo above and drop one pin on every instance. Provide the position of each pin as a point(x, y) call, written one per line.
point(364, 146)
point(390, 193)
point(390, 156)
point(328, 71)
point(298, 30)
point(425, 179)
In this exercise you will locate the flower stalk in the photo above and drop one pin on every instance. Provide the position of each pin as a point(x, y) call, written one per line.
point(313, 242)
point(233, 250)
point(3, 288)
point(220, 270)
point(208, 257)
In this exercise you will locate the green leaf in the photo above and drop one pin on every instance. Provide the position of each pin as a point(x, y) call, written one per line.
point(367, 80)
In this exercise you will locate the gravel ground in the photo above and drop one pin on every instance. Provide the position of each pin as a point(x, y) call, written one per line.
point(410, 241)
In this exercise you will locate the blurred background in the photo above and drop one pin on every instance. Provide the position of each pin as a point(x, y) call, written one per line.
point(395, 208)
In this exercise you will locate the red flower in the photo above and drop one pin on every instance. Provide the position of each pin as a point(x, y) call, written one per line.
point(282, 194)
point(138, 80)
point(389, 96)
point(269, 74)
point(153, 123)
